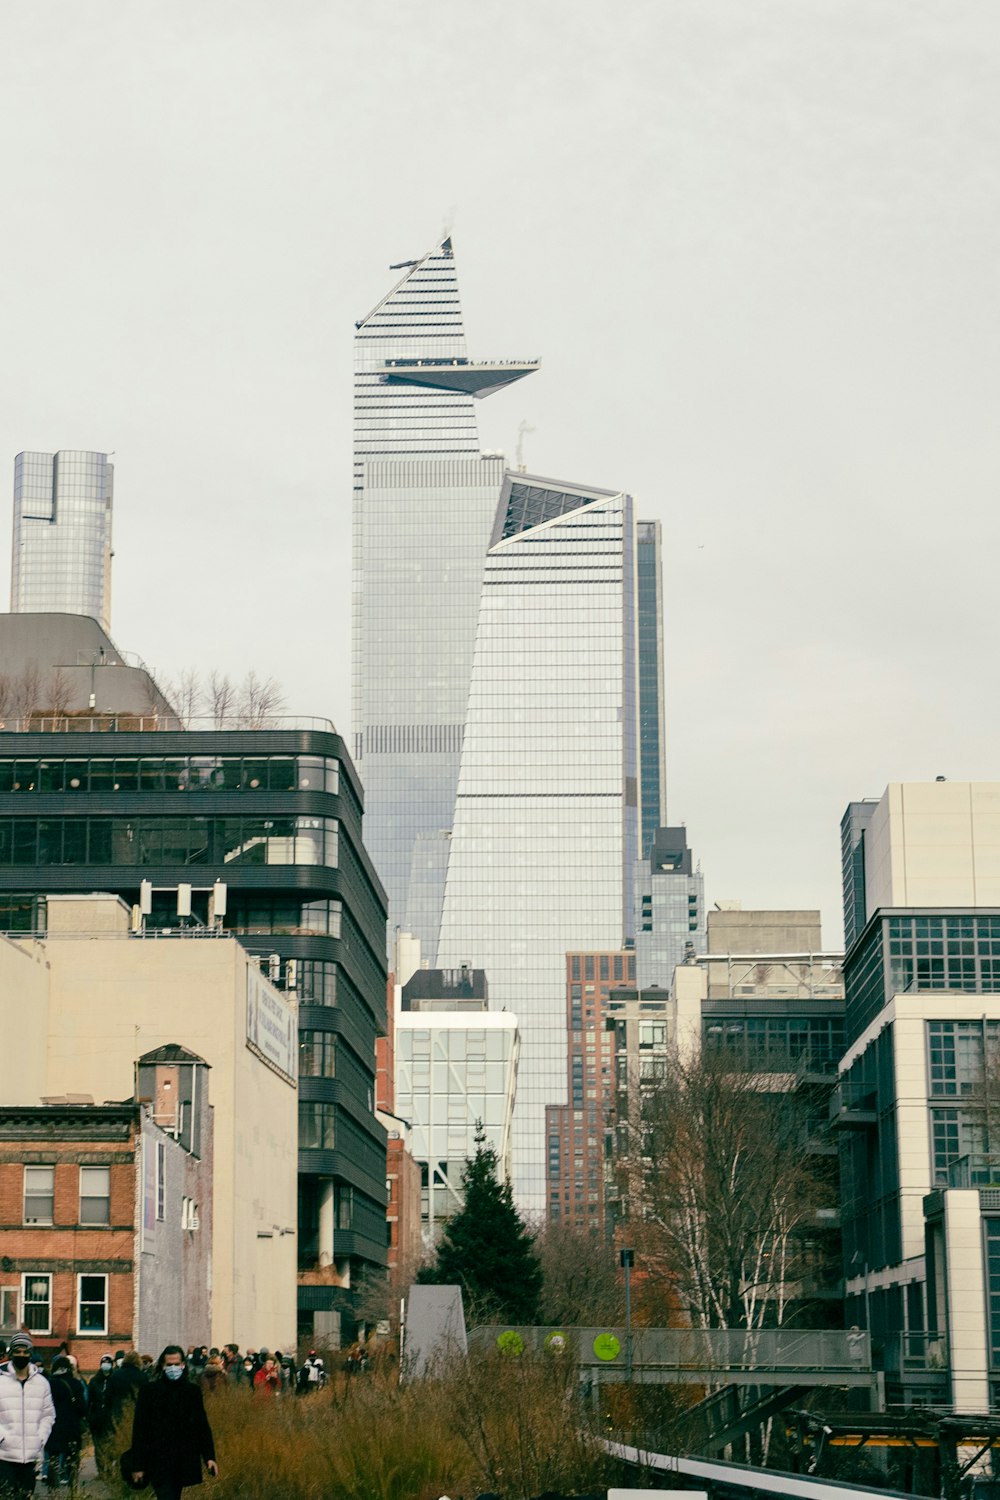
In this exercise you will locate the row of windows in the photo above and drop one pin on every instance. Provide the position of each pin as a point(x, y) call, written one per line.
point(789, 1037)
point(180, 773)
point(94, 1200)
point(606, 966)
point(169, 841)
point(948, 952)
point(276, 916)
point(30, 1305)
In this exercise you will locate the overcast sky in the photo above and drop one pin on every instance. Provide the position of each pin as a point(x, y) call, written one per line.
point(755, 242)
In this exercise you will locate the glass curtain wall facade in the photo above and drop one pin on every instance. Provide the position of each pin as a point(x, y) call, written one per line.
point(546, 818)
point(649, 604)
point(424, 502)
point(61, 557)
point(669, 908)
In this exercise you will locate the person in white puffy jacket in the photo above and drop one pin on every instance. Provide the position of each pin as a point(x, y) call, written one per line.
point(26, 1418)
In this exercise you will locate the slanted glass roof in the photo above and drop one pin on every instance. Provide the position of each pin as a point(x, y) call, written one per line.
point(531, 502)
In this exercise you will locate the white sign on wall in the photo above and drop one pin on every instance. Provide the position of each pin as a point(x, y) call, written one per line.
point(272, 1026)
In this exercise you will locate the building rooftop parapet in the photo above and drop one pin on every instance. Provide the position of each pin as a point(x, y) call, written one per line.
point(130, 723)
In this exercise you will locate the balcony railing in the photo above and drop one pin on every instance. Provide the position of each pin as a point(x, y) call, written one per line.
point(974, 1172)
point(852, 1108)
point(903, 1353)
point(147, 723)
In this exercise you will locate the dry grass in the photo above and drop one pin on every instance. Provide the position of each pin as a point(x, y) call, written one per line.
point(509, 1425)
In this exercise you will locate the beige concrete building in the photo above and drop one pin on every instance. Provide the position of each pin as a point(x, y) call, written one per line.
point(77, 1010)
point(915, 1109)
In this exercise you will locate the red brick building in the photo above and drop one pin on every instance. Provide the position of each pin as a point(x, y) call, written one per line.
point(105, 1228)
point(402, 1172)
point(575, 1130)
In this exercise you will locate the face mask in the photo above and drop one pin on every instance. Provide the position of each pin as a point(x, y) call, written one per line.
point(20, 1361)
point(105, 1365)
point(248, 1368)
point(173, 1372)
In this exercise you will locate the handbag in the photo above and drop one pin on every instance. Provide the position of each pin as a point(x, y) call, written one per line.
point(126, 1467)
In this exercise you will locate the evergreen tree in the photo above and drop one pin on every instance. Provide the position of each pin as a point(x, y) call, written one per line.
point(486, 1249)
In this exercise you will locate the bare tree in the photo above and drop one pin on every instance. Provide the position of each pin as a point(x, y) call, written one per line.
point(724, 1188)
point(58, 693)
point(221, 698)
point(187, 695)
point(260, 699)
point(26, 691)
point(580, 1282)
point(6, 694)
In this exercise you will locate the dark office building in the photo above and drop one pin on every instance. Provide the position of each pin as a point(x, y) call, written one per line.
point(276, 815)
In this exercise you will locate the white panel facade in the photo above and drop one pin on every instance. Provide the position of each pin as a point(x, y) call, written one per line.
point(545, 822)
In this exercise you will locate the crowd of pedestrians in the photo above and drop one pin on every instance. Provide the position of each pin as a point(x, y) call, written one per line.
point(44, 1413)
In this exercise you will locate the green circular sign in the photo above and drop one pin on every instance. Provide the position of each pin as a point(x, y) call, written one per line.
point(606, 1346)
point(510, 1342)
point(556, 1342)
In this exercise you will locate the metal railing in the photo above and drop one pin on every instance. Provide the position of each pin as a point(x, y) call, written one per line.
point(147, 723)
point(698, 1350)
point(973, 1171)
point(902, 1352)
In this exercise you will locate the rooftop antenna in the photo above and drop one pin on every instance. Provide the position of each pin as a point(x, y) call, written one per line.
point(524, 427)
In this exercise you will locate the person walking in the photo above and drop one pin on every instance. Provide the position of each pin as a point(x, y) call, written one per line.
point(63, 1447)
point(99, 1416)
point(125, 1384)
point(171, 1435)
point(26, 1418)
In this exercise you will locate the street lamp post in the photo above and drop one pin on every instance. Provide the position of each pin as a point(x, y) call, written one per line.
point(626, 1259)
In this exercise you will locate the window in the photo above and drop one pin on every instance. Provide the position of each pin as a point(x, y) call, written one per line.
point(10, 1307)
point(92, 1304)
point(317, 1053)
point(36, 1302)
point(95, 1195)
point(316, 1127)
point(39, 1194)
point(161, 1180)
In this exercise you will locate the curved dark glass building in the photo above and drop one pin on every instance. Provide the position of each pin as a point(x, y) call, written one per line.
point(275, 814)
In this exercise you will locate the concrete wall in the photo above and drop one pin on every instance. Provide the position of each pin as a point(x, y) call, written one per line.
point(174, 1260)
point(967, 1302)
point(934, 843)
point(736, 931)
point(24, 1022)
point(115, 998)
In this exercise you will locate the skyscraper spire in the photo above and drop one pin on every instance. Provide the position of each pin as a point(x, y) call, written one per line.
point(424, 502)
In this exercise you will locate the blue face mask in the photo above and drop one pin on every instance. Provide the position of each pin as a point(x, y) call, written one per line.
point(173, 1372)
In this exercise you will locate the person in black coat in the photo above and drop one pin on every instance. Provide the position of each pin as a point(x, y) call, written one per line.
point(99, 1416)
point(124, 1384)
point(63, 1447)
point(170, 1431)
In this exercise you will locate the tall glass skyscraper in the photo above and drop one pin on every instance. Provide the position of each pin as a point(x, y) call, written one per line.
point(61, 562)
point(652, 766)
point(424, 504)
point(546, 823)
